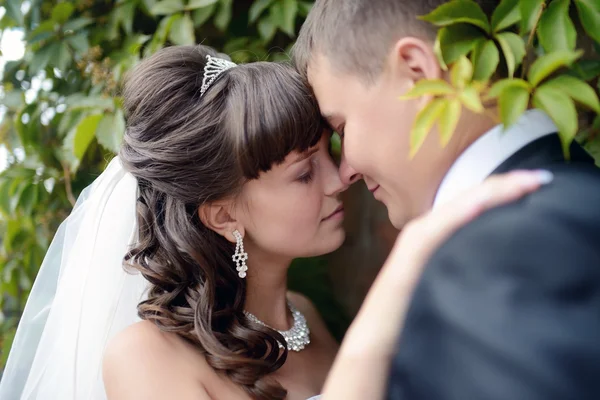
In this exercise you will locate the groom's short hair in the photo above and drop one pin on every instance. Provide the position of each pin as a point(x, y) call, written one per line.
point(356, 35)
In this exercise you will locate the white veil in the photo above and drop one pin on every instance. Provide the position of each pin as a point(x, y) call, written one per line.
point(82, 297)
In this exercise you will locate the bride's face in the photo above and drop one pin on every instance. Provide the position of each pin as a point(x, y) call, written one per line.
point(294, 209)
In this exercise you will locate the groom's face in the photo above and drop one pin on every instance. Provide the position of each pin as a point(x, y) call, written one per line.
point(375, 126)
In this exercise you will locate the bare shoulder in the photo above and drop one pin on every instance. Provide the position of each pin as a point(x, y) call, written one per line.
point(143, 362)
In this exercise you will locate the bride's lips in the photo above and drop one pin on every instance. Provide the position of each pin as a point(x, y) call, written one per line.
point(339, 212)
point(374, 189)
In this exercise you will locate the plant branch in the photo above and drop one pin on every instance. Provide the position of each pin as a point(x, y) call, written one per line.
point(68, 188)
point(531, 37)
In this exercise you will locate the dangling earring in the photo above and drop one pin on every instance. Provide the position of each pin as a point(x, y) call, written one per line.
point(240, 256)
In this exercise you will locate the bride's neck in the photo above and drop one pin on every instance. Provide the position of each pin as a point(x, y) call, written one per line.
point(266, 290)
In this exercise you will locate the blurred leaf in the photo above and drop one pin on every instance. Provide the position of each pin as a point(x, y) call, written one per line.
point(530, 9)
point(512, 103)
point(194, 4)
point(545, 65)
point(160, 36)
point(79, 101)
point(304, 8)
point(470, 98)
point(461, 72)
point(13, 10)
point(182, 31)
point(266, 29)
point(61, 56)
point(166, 7)
point(486, 58)
point(431, 87)
point(507, 13)
point(127, 14)
point(504, 84)
point(458, 11)
point(110, 131)
point(559, 106)
point(578, 90)
point(556, 30)
point(223, 17)
point(201, 15)
point(7, 341)
point(424, 121)
point(77, 23)
point(79, 43)
point(290, 10)
point(28, 198)
point(44, 31)
point(84, 134)
point(257, 8)
point(41, 58)
point(458, 40)
point(586, 69)
point(449, 117)
point(16, 189)
point(513, 48)
point(589, 15)
point(61, 12)
point(5, 196)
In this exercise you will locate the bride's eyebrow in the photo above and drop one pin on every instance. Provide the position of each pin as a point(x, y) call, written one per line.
point(329, 118)
point(304, 156)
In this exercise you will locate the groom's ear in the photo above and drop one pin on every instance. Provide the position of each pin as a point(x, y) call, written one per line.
point(219, 217)
point(414, 59)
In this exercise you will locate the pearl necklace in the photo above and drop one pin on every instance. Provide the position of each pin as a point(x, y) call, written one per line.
point(297, 338)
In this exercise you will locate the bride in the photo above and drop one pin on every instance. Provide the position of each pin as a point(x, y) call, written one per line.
point(168, 280)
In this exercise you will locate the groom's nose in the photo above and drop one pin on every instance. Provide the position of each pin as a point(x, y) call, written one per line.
point(347, 174)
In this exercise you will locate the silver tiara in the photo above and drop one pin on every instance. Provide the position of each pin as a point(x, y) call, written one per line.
point(213, 68)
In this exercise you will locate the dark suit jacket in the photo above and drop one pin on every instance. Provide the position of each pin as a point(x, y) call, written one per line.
point(509, 307)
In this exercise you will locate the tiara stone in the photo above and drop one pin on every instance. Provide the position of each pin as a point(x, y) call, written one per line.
point(214, 67)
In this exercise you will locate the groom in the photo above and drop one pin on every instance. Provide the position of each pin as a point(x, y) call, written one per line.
point(509, 307)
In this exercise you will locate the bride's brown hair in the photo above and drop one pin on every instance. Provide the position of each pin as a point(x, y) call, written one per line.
point(186, 150)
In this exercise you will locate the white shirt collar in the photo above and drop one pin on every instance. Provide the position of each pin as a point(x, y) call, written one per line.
point(486, 154)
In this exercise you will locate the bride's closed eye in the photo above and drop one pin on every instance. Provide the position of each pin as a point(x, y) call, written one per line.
point(308, 175)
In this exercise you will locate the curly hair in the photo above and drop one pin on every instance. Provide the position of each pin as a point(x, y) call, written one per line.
point(186, 150)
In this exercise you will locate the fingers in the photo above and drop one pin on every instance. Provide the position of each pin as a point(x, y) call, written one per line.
point(495, 191)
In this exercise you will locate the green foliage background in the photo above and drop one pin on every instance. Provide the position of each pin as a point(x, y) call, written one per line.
point(62, 120)
point(60, 116)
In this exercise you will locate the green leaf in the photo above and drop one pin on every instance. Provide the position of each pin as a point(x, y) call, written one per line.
point(194, 4)
point(182, 31)
point(513, 48)
point(41, 58)
point(556, 30)
point(79, 43)
point(160, 36)
point(29, 199)
point(530, 9)
point(84, 134)
point(127, 12)
point(507, 13)
point(589, 15)
point(461, 72)
point(547, 64)
point(80, 102)
point(431, 87)
point(504, 84)
point(257, 8)
point(61, 12)
point(486, 58)
point(458, 40)
point(559, 106)
point(449, 117)
point(77, 23)
point(266, 29)
point(304, 8)
point(586, 69)
point(424, 121)
point(512, 103)
point(437, 50)
point(5, 197)
point(61, 56)
point(13, 11)
point(223, 17)
point(16, 189)
point(166, 7)
point(458, 11)
point(290, 10)
point(201, 15)
point(578, 90)
point(471, 99)
point(44, 31)
point(110, 131)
